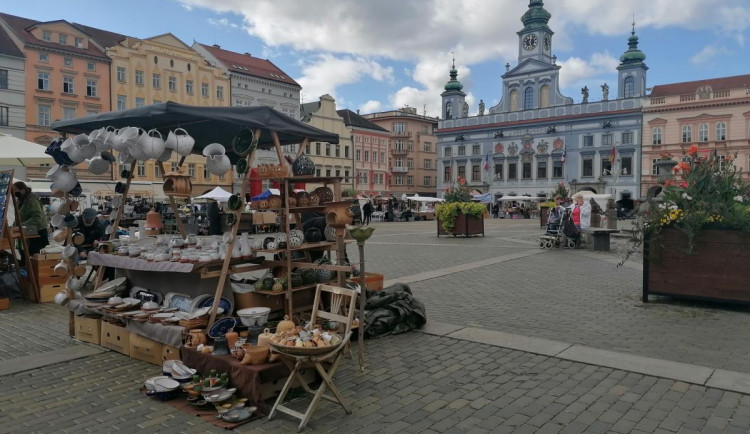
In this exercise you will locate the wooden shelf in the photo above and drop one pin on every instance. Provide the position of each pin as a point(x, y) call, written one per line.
point(288, 291)
point(304, 246)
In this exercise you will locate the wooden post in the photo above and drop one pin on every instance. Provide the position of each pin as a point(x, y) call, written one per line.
point(230, 247)
point(302, 146)
point(116, 224)
point(362, 301)
point(25, 244)
point(172, 204)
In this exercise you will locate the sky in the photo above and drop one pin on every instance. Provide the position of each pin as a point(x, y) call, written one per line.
point(376, 55)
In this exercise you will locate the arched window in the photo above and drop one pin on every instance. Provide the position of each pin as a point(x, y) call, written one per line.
point(721, 132)
point(544, 96)
point(656, 136)
point(629, 86)
point(514, 100)
point(687, 134)
point(448, 111)
point(703, 132)
point(528, 98)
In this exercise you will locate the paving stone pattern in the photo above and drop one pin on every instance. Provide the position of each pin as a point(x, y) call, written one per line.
point(30, 328)
point(415, 383)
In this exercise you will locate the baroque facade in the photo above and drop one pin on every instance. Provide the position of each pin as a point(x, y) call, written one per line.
point(713, 114)
point(370, 154)
point(12, 88)
point(412, 151)
point(535, 137)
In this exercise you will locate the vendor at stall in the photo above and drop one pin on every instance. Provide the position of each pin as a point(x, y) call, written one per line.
point(92, 230)
point(32, 217)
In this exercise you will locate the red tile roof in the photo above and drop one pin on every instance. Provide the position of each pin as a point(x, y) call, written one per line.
point(688, 87)
point(247, 64)
point(21, 28)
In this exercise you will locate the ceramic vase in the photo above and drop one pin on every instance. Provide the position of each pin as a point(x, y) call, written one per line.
point(245, 246)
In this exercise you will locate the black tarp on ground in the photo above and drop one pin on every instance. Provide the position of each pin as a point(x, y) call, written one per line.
point(205, 124)
point(392, 311)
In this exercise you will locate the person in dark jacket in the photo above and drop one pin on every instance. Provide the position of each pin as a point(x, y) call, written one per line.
point(214, 219)
point(367, 211)
point(92, 230)
point(32, 216)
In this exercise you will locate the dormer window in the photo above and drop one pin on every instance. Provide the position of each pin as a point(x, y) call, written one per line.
point(62, 39)
point(79, 42)
point(46, 36)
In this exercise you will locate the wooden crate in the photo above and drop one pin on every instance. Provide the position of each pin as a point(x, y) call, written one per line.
point(115, 338)
point(88, 329)
point(48, 292)
point(143, 348)
point(4, 303)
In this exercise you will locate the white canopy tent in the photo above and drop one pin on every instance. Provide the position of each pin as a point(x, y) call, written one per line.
point(18, 154)
point(521, 198)
point(218, 194)
point(418, 198)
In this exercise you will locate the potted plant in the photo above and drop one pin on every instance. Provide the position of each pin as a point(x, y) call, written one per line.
point(696, 238)
point(458, 215)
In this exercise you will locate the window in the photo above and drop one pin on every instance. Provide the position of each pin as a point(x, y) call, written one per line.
point(462, 171)
point(4, 116)
point(173, 84)
point(447, 152)
point(317, 148)
point(410, 145)
point(588, 140)
point(588, 167)
point(62, 39)
point(654, 167)
point(475, 150)
point(79, 42)
point(399, 127)
point(191, 170)
point(526, 170)
point(399, 145)
point(512, 170)
point(462, 150)
point(606, 166)
point(656, 135)
point(409, 180)
point(448, 110)
point(220, 92)
point(156, 81)
point(721, 161)
point(629, 86)
point(358, 155)
point(43, 58)
point(46, 36)
point(3, 78)
point(338, 153)
point(69, 113)
point(557, 169)
point(328, 173)
point(189, 87)
point(721, 127)
point(626, 165)
point(317, 172)
point(328, 150)
point(204, 90)
point(121, 74)
point(367, 156)
point(399, 162)
point(141, 169)
point(338, 172)
point(687, 134)
point(446, 173)
point(157, 171)
point(703, 132)
point(528, 99)
point(627, 138)
point(206, 175)
point(68, 62)
point(410, 163)
point(139, 78)
point(140, 102)
point(44, 115)
point(606, 139)
point(68, 86)
point(428, 164)
point(122, 102)
point(427, 181)
point(541, 169)
point(90, 66)
point(42, 82)
point(427, 147)
point(475, 173)
point(382, 157)
point(399, 180)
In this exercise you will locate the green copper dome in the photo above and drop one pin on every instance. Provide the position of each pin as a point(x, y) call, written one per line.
point(536, 16)
point(633, 55)
point(453, 84)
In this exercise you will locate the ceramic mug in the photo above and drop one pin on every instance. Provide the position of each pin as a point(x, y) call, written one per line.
point(78, 238)
point(70, 251)
point(59, 235)
point(61, 268)
point(56, 220)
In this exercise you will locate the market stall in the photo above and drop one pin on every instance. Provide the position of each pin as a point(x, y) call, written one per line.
point(176, 286)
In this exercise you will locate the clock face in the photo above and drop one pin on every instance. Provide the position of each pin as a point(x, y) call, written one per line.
point(529, 42)
point(546, 42)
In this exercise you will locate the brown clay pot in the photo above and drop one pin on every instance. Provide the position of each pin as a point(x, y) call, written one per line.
point(195, 337)
point(339, 214)
point(177, 184)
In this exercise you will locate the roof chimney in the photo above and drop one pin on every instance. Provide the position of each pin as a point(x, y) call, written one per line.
point(248, 54)
point(357, 111)
point(217, 46)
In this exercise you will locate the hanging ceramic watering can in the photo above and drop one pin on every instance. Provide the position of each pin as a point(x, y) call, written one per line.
point(180, 141)
point(153, 145)
point(124, 138)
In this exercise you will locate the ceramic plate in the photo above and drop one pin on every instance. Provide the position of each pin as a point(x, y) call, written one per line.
point(224, 303)
point(221, 327)
point(178, 301)
point(112, 285)
point(195, 304)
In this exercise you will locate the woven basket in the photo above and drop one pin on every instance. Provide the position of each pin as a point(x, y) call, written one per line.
point(300, 351)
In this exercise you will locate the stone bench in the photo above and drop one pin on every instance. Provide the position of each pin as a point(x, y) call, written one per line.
point(599, 238)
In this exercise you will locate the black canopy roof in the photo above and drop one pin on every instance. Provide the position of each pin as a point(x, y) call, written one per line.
point(205, 124)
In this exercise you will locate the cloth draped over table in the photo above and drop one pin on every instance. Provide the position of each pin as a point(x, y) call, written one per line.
point(392, 311)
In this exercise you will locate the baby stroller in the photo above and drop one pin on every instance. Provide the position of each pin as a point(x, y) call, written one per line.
point(558, 230)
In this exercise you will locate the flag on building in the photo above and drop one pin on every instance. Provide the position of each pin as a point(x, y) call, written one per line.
point(565, 152)
point(612, 155)
point(486, 162)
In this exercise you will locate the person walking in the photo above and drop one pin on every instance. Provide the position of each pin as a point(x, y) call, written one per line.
point(367, 211)
point(32, 216)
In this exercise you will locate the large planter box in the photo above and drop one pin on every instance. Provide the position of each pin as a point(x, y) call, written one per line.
point(717, 271)
point(466, 225)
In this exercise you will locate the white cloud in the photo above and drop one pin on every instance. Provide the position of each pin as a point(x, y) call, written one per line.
point(576, 71)
point(223, 22)
point(370, 106)
point(327, 72)
point(708, 53)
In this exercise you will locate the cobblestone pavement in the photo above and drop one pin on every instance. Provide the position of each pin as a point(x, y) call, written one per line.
point(415, 383)
point(424, 383)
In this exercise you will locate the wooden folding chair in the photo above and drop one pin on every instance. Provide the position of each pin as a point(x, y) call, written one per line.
point(296, 363)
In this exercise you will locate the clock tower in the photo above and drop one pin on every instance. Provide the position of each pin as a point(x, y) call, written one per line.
point(535, 39)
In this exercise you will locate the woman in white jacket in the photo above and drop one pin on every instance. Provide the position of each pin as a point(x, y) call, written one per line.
point(581, 212)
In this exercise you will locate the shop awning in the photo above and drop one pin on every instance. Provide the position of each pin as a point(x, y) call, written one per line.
point(266, 194)
point(218, 194)
point(19, 152)
point(205, 124)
